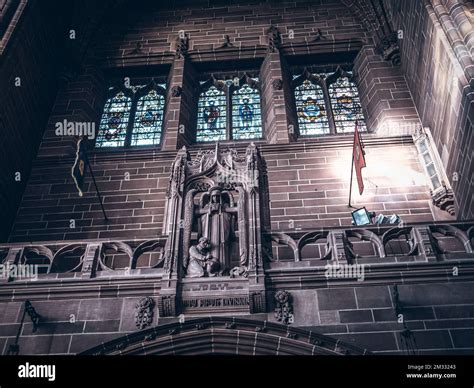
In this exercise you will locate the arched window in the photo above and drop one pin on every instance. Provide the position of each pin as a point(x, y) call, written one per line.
point(327, 103)
point(311, 107)
point(132, 116)
point(246, 113)
point(229, 110)
point(149, 118)
point(114, 123)
point(212, 106)
point(345, 103)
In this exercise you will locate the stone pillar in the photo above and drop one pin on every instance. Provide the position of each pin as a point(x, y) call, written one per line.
point(91, 258)
point(387, 111)
point(256, 225)
point(173, 228)
point(277, 101)
point(425, 246)
point(336, 243)
point(181, 104)
point(458, 30)
point(13, 257)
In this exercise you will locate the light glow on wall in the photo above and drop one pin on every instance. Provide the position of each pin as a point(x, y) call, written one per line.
point(386, 167)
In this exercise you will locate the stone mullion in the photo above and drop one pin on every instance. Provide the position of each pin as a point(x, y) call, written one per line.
point(336, 241)
point(14, 256)
point(131, 120)
point(327, 101)
point(424, 241)
point(91, 259)
point(228, 107)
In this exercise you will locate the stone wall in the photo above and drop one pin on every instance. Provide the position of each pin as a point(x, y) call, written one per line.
point(308, 178)
point(309, 188)
point(28, 76)
point(441, 84)
point(439, 314)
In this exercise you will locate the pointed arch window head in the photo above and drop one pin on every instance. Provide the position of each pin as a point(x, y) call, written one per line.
point(133, 116)
point(211, 124)
point(345, 103)
point(114, 122)
point(327, 103)
point(246, 113)
point(148, 119)
point(229, 110)
point(311, 109)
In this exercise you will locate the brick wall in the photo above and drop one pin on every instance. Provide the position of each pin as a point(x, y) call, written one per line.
point(134, 206)
point(309, 182)
point(310, 188)
point(25, 108)
point(439, 315)
point(245, 23)
point(308, 185)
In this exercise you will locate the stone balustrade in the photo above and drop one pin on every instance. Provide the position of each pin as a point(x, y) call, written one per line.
point(433, 242)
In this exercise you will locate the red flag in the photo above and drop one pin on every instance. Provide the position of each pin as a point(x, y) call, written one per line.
point(358, 155)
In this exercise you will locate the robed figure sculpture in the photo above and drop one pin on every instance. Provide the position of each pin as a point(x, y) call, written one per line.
point(216, 215)
point(216, 222)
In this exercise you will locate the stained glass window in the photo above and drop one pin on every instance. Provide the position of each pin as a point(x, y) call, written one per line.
point(114, 123)
point(311, 110)
point(211, 123)
point(345, 103)
point(246, 113)
point(429, 163)
point(148, 119)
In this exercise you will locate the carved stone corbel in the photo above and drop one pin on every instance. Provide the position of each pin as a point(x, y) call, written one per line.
point(277, 84)
point(284, 307)
point(176, 91)
point(274, 39)
point(389, 49)
point(444, 199)
point(144, 312)
point(182, 45)
point(227, 43)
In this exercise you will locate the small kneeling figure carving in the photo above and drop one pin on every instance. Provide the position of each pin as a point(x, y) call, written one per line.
point(201, 263)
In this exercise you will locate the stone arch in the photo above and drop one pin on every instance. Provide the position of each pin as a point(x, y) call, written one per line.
point(225, 335)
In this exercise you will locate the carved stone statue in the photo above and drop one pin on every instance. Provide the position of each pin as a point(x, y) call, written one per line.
point(222, 196)
point(219, 198)
point(216, 212)
point(201, 262)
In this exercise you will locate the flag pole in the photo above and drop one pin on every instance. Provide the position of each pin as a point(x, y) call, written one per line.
point(352, 165)
point(352, 173)
point(97, 191)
